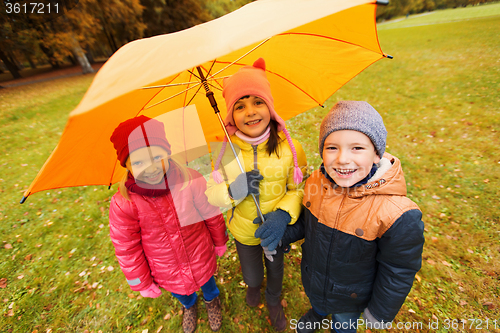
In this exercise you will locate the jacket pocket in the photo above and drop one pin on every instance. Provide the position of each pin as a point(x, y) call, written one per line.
point(355, 294)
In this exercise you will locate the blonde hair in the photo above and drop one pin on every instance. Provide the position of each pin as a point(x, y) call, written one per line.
point(186, 177)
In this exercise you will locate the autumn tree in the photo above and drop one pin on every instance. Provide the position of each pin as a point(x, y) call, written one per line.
point(218, 8)
point(165, 16)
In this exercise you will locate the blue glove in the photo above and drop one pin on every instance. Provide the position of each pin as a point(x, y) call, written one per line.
point(272, 230)
point(245, 184)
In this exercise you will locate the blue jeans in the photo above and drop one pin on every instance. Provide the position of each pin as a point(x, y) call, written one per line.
point(210, 291)
point(346, 322)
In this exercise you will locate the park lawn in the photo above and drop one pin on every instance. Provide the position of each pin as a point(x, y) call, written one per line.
point(440, 102)
point(443, 16)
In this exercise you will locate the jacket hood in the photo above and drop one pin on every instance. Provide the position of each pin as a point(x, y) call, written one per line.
point(389, 179)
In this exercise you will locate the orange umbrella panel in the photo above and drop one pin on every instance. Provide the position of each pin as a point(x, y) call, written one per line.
point(311, 49)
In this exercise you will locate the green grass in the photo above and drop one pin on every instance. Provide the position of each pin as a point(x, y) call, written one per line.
point(440, 102)
point(443, 16)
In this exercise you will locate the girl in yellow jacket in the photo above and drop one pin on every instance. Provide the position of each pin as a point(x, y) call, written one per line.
point(274, 165)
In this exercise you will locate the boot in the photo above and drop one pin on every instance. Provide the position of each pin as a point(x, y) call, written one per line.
point(277, 316)
point(309, 322)
point(214, 314)
point(253, 296)
point(189, 319)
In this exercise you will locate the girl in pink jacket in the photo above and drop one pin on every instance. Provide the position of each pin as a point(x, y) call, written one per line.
point(164, 231)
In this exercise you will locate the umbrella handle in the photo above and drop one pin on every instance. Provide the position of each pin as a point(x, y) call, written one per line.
point(213, 103)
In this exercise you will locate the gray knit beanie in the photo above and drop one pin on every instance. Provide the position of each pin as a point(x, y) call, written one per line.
point(358, 116)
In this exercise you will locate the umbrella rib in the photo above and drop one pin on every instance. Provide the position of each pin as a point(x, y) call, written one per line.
point(326, 37)
point(180, 84)
point(244, 55)
point(296, 86)
point(169, 98)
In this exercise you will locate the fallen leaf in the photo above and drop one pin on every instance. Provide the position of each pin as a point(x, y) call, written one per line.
point(462, 303)
point(167, 316)
point(434, 239)
point(490, 305)
point(20, 277)
point(28, 257)
point(8, 246)
point(284, 303)
point(447, 264)
point(3, 283)
point(10, 313)
point(486, 181)
point(431, 262)
point(411, 311)
point(159, 329)
point(131, 295)
point(418, 277)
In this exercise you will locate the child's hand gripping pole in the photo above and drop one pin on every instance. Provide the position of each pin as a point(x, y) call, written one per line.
point(245, 184)
point(272, 229)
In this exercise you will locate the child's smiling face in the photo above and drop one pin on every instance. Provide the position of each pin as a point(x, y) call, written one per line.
point(251, 115)
point(148, 164)
point(348, 157)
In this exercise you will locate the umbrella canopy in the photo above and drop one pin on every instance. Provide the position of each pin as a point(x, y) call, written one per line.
point(311, 49)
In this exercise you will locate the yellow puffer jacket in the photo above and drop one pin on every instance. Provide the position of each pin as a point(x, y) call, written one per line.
point(277, 189)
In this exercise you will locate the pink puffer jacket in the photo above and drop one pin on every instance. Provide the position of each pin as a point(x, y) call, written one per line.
point(169, 239)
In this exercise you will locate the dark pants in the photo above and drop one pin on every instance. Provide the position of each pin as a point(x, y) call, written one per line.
point(252, 268)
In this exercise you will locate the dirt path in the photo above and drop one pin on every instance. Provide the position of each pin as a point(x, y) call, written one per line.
point(51, 75)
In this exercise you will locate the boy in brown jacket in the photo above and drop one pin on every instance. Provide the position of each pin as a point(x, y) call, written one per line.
point(363, 236)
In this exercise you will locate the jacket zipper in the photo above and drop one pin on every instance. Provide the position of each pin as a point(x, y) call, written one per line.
point(255, 167)
point(333, 238)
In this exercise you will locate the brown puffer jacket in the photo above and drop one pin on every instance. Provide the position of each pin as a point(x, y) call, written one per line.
point(363, 246)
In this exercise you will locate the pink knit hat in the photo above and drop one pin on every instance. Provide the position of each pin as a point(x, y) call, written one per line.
point(251, 80)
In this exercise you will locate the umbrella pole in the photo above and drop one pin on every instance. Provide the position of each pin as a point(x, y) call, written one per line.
point(213, 103)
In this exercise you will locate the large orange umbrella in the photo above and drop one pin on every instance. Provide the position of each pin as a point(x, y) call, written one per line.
point(311, 49)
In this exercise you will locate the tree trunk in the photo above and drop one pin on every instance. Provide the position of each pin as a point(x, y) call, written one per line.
point(30, 60)
point(14, 60)
point(10, 66)
point(80, 56)
point(50, 55)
